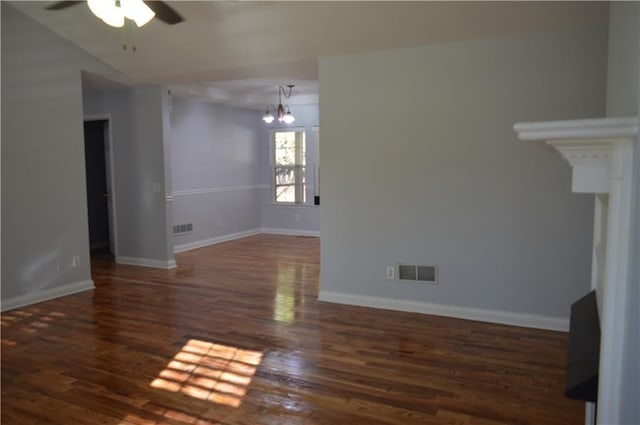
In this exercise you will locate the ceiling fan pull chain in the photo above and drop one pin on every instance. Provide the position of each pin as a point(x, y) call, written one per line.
point(124, 37)
point(133, 36)
point(129, 36)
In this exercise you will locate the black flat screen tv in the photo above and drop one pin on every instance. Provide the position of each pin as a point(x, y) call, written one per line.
point(583, 357)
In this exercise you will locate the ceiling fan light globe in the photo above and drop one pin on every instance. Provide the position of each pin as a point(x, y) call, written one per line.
point(108, 11)
point(137, 11)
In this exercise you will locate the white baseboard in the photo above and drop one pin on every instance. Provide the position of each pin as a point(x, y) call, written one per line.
point(216, 240)
point(233, 236)
point(290, 232)
point(146, 262)
point(48, 294)
point(482, 315)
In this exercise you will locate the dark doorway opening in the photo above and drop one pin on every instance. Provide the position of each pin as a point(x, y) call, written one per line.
point(97, 188)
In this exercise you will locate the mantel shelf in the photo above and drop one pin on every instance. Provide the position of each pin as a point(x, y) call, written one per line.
point(588, 145)
point(579, 131)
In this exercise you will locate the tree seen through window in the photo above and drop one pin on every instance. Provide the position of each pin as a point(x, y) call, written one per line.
point(289, 167)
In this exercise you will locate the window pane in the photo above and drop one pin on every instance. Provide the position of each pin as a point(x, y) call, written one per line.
point(285, 148)
point(285, 175)
point(286, 193)
point(285, 156)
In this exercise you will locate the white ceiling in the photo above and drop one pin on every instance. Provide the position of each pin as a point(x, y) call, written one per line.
point(239, 52)
point(254, 93)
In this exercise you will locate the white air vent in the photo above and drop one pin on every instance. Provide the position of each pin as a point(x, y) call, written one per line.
point(427, 274)
point(179, 229)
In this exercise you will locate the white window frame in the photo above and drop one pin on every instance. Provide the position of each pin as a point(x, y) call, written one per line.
point(316, 159)
point(300, 190)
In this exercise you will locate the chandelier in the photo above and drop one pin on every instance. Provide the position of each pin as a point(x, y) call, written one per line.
point(281, 112)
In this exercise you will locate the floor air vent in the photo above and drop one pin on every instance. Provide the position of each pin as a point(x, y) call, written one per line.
point(417, 273)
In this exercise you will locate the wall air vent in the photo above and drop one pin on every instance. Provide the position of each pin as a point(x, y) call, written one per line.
point(180, 229)
point(406, 272)
point(427, 274)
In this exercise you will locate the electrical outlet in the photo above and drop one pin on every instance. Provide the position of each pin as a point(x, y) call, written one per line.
point(60, 264)
point(76, 261)
point(297, 217)
point(219, 222)
point(391, 272)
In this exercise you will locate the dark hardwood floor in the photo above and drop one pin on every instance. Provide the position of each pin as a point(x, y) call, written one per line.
point(236, 336)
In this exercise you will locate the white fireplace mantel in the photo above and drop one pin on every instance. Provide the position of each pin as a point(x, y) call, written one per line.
point(588, 146)
point(600, 152)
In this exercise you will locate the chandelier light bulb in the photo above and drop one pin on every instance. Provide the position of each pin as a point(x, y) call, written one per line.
point(268, 117)
point(288, 118)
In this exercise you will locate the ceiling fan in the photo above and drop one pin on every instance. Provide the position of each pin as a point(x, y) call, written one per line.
point(113, 12)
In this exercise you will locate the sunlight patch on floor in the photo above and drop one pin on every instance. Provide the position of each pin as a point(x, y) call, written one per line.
point(31, 321)
point(208, 371)
point(161, 416)
point(288, 292)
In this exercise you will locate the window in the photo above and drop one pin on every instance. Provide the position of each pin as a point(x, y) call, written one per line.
point(289, 163)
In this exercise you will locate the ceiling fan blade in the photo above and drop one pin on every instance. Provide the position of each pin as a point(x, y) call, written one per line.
point(62, 5)
point(164, 12)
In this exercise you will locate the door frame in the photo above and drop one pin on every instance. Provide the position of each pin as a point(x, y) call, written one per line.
point(109, 147)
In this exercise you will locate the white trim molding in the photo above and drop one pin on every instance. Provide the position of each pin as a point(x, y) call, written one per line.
point(239, 235)
point(600, 152)
point(283, 205)
point(587, 145)
point(212, 241)
point(458, 312)
point(46, 295)
point(206, 190)
point(146, 262)
point(290, 232)
point(589, 129)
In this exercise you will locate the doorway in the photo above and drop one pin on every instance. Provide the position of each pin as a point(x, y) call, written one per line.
point(100, 196)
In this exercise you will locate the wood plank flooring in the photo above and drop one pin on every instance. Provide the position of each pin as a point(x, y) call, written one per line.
point(235, 336)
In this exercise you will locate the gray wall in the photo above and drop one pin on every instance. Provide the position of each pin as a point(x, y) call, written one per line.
point(421, 165)
point(624, 59)
point(623, 99)
point(215, 149)
point(302, 219)
point(166, 153)
point(138, 127)
point(44, 212)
